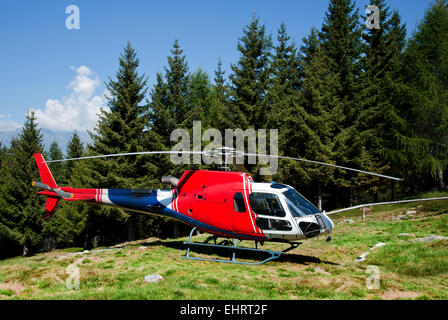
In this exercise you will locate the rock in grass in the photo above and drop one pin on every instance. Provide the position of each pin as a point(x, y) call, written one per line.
point(407, 234)
point(153, 278)
point(142, 248)
point(429, 238)
point(364, 255)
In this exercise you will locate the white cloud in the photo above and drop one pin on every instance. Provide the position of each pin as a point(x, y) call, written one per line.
point(77, 111)
point(7, 124)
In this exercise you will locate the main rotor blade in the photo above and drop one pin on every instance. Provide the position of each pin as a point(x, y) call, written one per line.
point(127, 154)
point(324, 164)
point(236, 154)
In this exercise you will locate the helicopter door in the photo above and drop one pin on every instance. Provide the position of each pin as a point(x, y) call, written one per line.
point(210, 206)
point(241, 217)
point(271, 215)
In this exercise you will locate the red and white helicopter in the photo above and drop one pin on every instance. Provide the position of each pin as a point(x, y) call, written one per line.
point(223, 203)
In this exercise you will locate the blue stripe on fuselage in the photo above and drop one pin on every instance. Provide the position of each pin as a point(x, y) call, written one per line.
point(134, 199)
point(147, 202)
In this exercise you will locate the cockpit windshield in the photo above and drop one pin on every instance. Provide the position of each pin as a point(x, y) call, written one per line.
point(298, 205)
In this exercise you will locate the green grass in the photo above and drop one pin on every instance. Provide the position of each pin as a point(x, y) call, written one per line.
point(316, 270)
point(7, 292)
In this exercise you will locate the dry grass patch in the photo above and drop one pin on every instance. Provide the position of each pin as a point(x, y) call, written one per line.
point(394, 294)
point(11, 288)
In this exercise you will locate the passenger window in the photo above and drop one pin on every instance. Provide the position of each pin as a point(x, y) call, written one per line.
point(266, 204)
point(238, 202)
point(273, 224)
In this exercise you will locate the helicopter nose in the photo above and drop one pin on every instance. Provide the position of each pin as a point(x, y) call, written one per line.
point(328, 221)
point(325, 222)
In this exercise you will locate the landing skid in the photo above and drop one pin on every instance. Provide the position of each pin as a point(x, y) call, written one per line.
point(234, 248)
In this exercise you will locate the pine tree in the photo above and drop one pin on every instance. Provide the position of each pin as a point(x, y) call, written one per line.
point(66, 226)
point(58, 169)
point(249, 80)
point(219, 78)
point(426, 72)
point(9, 238)
point(285, 82)
point(168, 110)
point(3, 152)
point(340, 36)
point(323, 108)
point(199, 100)
point(75, 149)
point(310, 115)
point(120, 129)
point(221, 115)
point(381, 123)
point(161, 119)
point(284, 100)
point(21, 207)
point(341, 43)
point(177, 80)
point(310, 45)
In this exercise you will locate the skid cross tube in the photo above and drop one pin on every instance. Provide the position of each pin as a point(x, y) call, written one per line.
point(234, 249)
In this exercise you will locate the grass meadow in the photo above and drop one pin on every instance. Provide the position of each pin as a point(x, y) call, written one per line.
point(315, 270)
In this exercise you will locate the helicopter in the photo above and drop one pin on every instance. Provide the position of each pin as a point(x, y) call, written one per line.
point(222, 203)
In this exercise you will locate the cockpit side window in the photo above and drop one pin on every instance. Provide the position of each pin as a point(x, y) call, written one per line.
point(238, 202)
point(303, 206)
point(266, 204)
point(294, 210)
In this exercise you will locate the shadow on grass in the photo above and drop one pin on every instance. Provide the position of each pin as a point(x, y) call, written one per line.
point(226, 254)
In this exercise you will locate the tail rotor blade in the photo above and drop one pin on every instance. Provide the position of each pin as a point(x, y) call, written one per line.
point(60, 193)
point(63, 194)
point(37, 184)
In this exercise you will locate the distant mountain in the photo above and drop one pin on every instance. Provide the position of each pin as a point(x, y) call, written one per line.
point(61, 137)
point(6, 136)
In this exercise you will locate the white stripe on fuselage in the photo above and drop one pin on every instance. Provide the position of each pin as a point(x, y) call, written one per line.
point(247, 202)
point(165, 198)
point(104, 198)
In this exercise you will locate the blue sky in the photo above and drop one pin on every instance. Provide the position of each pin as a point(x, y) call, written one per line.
point(54, 70)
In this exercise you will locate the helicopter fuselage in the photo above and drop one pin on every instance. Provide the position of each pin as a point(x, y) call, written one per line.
point(226, 204)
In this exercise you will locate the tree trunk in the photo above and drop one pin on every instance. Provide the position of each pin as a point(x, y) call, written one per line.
point(176, 230)
point(440, 179)
point(24, 250)
point(393, 191)
point(319, 196)
point(131, 229)
point(412, 185)
point(87, 240)
point(351, 197)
